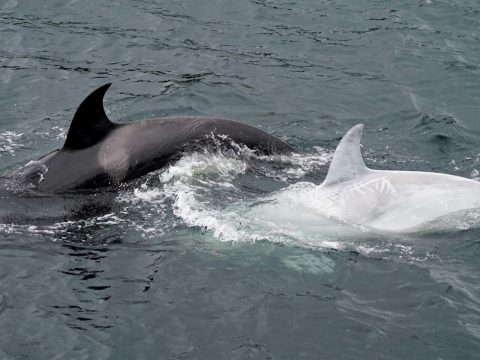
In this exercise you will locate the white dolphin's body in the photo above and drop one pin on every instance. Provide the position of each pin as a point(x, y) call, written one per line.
point(395, 201)
point(354, 202)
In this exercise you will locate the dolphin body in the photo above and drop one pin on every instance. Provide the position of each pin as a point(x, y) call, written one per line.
point(98, 155)
point(391, 201)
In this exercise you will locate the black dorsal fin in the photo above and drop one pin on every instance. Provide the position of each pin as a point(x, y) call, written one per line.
point(90, 123)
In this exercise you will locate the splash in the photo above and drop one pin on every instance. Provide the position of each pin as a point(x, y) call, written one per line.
point(216, 193)
point(237, 198)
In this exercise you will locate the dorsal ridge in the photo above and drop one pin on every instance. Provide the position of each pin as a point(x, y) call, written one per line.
point(90, 124)
point(347, 162)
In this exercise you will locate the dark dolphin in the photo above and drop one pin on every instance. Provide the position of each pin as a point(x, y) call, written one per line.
point(98, 155)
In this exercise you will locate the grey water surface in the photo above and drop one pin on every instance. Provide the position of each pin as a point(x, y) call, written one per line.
point(181, 268)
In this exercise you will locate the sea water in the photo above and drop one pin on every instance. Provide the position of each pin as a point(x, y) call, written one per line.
point(198, 260)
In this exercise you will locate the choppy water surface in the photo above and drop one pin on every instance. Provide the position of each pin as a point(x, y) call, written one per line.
point(185, 266)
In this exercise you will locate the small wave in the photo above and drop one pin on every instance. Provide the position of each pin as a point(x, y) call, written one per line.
point(9, 142)
point(76, 231)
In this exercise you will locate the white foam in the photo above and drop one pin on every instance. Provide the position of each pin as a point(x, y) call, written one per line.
point(196, 184)
point(297, 166)
point(202, 163)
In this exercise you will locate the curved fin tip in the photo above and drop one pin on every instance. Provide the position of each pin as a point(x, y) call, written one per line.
point(90, 124)
point(347, 162)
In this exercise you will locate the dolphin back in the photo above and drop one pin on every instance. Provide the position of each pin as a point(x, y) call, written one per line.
point(100, 153)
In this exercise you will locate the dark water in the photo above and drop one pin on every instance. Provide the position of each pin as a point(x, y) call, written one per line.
point(180, 269)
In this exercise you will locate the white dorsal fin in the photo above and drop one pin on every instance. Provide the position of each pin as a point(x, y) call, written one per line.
point(347, 162)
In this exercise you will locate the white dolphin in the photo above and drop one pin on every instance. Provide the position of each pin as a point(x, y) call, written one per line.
point(353, 201)
point(394, 201)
